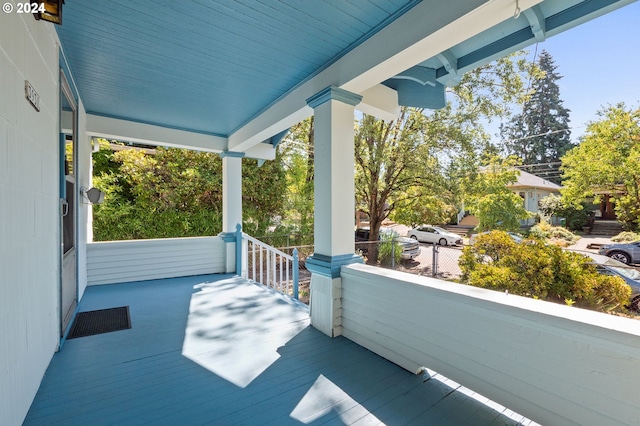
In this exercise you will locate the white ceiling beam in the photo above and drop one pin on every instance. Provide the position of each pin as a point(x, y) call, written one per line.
point(261, 151)
point(148, 134)
point(428, 29)
point(381, 102)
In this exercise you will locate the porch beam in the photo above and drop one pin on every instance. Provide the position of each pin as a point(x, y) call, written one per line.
point(426, 30)
point(149, 134)
point(381, 102)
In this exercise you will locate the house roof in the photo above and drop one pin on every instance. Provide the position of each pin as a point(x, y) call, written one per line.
point(527, 180)
point(229, 75)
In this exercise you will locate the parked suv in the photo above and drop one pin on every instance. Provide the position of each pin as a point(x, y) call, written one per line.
point(624, 252)
point(410, 247)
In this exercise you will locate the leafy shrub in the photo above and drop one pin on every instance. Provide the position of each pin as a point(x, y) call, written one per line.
point(543, 271)
point(388, 248)
point(626, 237)
point(575, 217)
point(555, 234)
point(177, 193)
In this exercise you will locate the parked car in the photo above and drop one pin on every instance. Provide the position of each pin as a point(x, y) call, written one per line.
point(515, 237)
point(609, 266)
point(623, 252)
point(435, 235)
point(410, 248)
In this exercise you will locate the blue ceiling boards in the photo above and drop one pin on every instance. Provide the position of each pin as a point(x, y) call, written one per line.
point(207, 66)
point(213, 65)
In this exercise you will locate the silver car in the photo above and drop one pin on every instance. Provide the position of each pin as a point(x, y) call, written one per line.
point(630, 275)
point(624, 252)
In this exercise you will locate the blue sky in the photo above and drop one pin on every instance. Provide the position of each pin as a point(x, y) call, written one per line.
point(600, 64)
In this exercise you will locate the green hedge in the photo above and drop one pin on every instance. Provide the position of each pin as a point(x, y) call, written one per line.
point(542, 271)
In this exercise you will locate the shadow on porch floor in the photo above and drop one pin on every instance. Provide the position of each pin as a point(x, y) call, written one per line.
point(220, 350)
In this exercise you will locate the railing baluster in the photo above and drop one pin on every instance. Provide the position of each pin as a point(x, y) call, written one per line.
point(261, 267)
point(253, 260)
point(286, 275)
point(295, 271)
point(280, 281)
point(268, 277)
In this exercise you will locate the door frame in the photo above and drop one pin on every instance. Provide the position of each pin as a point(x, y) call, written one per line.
point(67, 92)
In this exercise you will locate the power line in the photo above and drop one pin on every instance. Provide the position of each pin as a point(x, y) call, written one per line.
point(543, 134)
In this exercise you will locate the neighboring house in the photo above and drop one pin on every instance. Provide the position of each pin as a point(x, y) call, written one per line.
point(531, 189)
point(231, 78)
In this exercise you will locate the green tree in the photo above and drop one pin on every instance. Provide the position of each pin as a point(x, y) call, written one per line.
point(410, 168)
point(388, 164)
point(490, 200)
point(575, 217)
point(169, 192)
point(606, 162)
point(296, 151)
point(540, 134)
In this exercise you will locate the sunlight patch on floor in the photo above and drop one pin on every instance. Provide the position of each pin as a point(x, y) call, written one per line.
point(323, 397)
point(229, 329)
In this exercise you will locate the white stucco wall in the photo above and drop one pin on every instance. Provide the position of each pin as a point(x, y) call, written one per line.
point(532, 197)
point(29, 190)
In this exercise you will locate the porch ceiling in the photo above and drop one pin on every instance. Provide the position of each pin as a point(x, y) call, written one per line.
point(240, 71)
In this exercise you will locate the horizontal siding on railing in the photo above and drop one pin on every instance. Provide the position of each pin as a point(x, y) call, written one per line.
point(555, 364)
point(136, 260)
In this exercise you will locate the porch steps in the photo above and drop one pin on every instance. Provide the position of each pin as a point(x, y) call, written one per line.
point(468, 220)
point(608, 228)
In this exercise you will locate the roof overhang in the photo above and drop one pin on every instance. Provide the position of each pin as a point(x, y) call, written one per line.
point(217, 77)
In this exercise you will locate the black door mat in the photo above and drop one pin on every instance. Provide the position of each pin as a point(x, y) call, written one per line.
point(100, 321)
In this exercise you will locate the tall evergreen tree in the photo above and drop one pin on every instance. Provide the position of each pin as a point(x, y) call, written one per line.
point(540, 134)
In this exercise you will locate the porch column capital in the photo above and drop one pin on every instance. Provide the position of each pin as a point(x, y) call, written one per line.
point(231, 154)
point(332, 93)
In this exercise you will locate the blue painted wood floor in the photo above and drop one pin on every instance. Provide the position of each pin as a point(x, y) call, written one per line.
point(218, 350)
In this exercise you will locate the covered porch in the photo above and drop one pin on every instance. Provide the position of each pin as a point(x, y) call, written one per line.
point(231, 78)
point(217, 349)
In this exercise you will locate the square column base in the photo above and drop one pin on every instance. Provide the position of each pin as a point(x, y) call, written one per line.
point(325, 304)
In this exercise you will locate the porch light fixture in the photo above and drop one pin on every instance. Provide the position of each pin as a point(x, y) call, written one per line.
point(49, 10)
point(92, 195)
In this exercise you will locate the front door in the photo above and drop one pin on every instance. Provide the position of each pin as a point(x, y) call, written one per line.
point(68, 172)
point(607, 208)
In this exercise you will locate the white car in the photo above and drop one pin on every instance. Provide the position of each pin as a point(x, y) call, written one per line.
point(435, 235)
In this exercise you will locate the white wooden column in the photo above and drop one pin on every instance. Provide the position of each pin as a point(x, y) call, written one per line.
point(231, 203)
point(334, 205)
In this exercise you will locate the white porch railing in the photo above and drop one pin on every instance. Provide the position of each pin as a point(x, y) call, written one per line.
point(555, 364)
point(269, 266)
